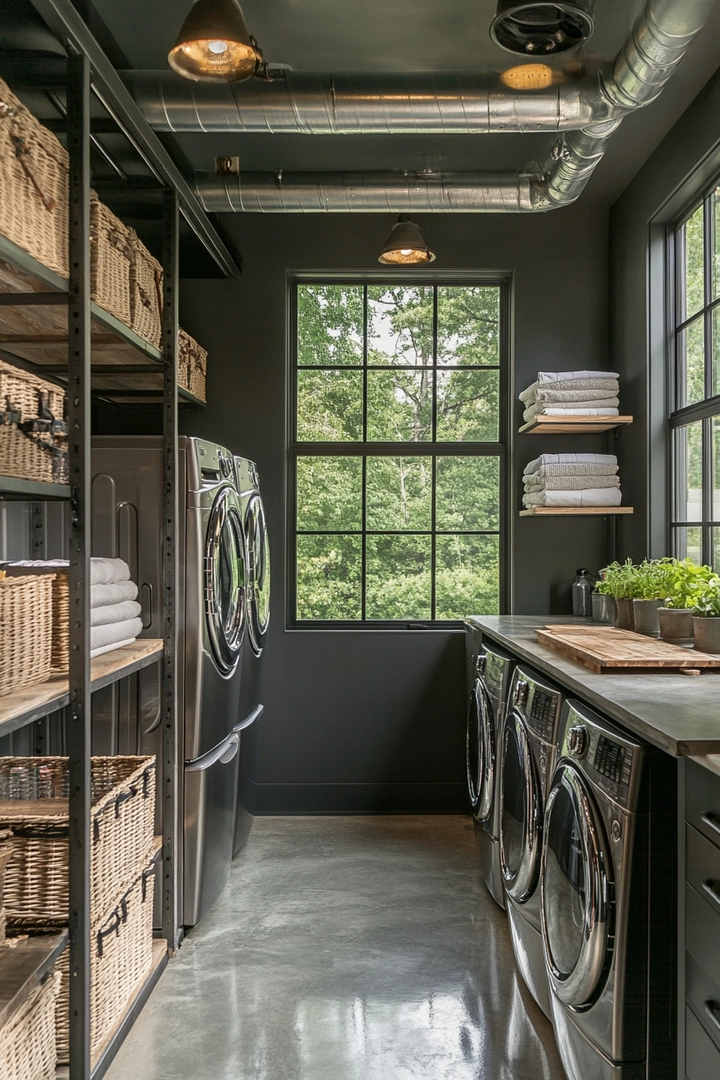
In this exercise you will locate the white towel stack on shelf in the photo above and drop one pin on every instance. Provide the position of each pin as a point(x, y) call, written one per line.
point(114, 610)
point(572, 393)
point(572, 480)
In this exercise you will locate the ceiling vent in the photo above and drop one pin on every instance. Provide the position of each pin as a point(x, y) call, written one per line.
point(534, 29)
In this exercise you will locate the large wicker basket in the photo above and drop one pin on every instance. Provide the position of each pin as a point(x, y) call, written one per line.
point(146, 285)
point(27, 1041)
point(112, 259)
point(192, 365)
point(60, 649)
point(33, 435)
point(6, 853)
point(25, 631)
point(34, 207)
point(123, 816)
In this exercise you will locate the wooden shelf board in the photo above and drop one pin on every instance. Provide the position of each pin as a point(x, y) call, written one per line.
point(573, 425)
point(23, 966)
point(33, 702)
point(575, 511)
point(13, 488)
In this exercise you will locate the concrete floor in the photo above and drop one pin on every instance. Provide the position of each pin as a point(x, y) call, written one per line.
point(354, 948)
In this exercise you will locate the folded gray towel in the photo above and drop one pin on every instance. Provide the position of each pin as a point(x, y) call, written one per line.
point(569, 459)
point(603, 407)
point(102, 595)
point(611, 384)
point(566, 376)
point(115, 613)
point(569, 483)
point(585, 497)
point(107, 635)
point(584, 469)
point(107, 571)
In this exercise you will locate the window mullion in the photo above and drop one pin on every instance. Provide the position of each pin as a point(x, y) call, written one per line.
point(707, 479)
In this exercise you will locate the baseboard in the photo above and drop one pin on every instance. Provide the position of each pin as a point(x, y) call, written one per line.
point(361, 799)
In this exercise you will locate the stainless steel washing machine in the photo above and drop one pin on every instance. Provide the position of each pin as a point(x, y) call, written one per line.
point(608, 904)
point(489, 674)
point(528, 759)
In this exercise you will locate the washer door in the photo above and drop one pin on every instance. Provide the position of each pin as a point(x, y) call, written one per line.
point(473, 744)
point(225, 608)
point(576, 892)
point(521, 818)
point(259, 570)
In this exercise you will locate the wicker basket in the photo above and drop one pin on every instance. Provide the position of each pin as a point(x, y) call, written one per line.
point(146, 285)
point(112, 256)
point(192, 365)
point(34, 207)
point(60, 649)
point(123, 815)
point(33, 434)
point(6, 854)
point(25, 631)
point(27, 1041)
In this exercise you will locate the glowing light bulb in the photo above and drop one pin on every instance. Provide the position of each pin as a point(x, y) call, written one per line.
point(406, 251)
point(218, 47)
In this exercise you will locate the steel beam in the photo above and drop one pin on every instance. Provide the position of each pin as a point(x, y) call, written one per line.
point(78, 398)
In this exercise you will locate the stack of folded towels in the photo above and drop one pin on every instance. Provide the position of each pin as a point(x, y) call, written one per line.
point(114, 610)
point(572, 480)
point(572, 393)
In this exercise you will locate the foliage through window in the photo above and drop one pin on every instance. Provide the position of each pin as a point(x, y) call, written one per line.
point(396, 451)
point(695, 414)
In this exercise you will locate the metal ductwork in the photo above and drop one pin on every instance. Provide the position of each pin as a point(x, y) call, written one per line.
point(658, 43)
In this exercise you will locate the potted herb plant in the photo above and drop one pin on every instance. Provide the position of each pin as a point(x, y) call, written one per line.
point(706, 617)
point(686, 580)
point(618, 580)
point(604, 606)
point(651, 584)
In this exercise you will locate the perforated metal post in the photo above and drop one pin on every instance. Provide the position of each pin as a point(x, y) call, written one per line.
point(78, 730)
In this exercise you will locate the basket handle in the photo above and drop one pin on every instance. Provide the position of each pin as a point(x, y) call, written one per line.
point(114, 929)
point(21, 153)
point(123, 797)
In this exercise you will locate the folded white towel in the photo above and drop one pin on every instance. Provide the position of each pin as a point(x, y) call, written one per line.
point(571, 384)
point(569, 483)
point(119, 631)
point(102, 595)
point(108, 571)
point(564, 376)
point(569, 459)
point(115, 613)
point(602, 407)
point(585, 497)
point(587, 470)
point(111, 648)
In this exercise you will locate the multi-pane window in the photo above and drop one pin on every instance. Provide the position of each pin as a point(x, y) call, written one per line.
point(695, 415)
point(396, 449)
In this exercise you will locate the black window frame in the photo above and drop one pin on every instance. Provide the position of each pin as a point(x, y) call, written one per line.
point(503, 280)
point(708, 409)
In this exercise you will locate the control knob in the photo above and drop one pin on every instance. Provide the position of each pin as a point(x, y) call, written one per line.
point(577, 741)
point(521, 694)
point(481, 663)
point(225, 465)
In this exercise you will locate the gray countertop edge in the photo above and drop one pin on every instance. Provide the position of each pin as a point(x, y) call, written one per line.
point(574, 677)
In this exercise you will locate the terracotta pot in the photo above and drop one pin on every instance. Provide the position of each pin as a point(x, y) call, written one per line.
point(676, 624)
point(707, 634)
point(645, 613)
point(625, 613)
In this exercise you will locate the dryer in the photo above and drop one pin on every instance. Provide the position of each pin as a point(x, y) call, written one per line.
point(608, 902)
point(489, 674)
point(528, 759)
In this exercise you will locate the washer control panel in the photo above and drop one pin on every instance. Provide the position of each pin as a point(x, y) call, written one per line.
point(607, 758)
point(539, 704)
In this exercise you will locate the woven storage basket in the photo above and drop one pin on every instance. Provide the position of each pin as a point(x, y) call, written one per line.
point(123, 815)
point(25, 631)
point(6, 853)
point(112, 256)
point(146, 282)
point(34, 207)
point(60, 649)
point(27, 1041)
point(192, 365)
point(38, 454)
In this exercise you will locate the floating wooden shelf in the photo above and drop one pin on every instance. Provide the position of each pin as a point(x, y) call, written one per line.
point(573, 425)
point(126, 368)
point(12, 488)
point(33, 702)
point(23, 965)
point(575, 511)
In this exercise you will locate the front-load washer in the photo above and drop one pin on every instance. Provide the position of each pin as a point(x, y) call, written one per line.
point(489, 675)
point(528, 759)
point(608, 903)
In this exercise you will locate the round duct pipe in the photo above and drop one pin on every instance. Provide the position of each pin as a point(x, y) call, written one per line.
point(536, 29)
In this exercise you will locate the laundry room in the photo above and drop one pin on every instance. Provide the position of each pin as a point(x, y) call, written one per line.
point(359, 560)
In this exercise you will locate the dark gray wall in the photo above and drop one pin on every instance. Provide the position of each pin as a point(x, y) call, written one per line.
point(374, 721)
point(686, 160)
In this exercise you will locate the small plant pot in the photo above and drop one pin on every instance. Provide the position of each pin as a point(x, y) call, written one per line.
point(676, 625)
point(625, 613)
point(608, 612)
point(597, 605)
point(646, 617)
point(707, 634)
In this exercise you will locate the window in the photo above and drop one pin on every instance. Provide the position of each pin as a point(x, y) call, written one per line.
point(396, 451)
point(695, 393)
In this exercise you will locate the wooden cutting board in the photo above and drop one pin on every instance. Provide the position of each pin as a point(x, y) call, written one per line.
point(605, 648)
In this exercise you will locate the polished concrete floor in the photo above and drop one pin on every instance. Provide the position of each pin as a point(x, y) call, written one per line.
point(354, 948)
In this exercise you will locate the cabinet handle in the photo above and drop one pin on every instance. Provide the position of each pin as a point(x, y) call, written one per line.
point(711, 820)
point(709, 888)
point(711, 1008)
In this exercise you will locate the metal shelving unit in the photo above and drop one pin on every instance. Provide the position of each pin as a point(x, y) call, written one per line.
point(78, 344)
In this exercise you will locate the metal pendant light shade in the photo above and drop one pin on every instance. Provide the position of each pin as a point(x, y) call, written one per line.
point(214, 44)
point(533, 28)
point(405, 246)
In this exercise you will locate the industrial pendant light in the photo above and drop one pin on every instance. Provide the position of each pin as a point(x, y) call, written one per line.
point(405, 246)
point(214, 43)
point(536, 28)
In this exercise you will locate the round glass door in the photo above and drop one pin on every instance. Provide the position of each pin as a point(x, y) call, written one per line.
point(487, 758)
point(473, 767)
point(225, 582)
point(521, 818)
point(576, 904)
point(259, 569)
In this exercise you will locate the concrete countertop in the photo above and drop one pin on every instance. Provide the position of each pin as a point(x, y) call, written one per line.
point(677, 713)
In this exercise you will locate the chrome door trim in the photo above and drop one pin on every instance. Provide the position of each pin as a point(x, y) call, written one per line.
point(257, 629)
point(486, 774)
point(521, 885)
point(226, 647)
point(473, 718)
point(578, 988)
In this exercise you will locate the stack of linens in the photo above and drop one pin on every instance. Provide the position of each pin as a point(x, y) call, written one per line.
point(572, 480)
point(572, 393)
point(114, 610)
